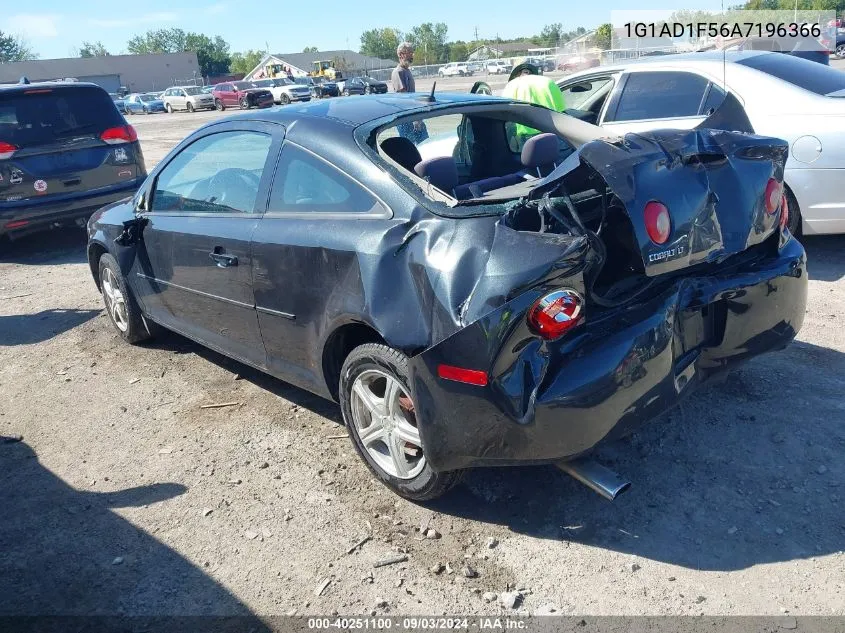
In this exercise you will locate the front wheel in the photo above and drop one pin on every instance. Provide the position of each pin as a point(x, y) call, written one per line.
point(244, 103)
point(377, 407)
point(285, 99)
point(169, 108)
point(840, 51)
point(345, 92)
point(219, 105)
point(190, 107)
point(124, 313)
point(367, 90)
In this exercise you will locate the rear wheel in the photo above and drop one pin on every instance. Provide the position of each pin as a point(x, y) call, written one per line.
point(124, 313)
point(378, 410)
point(219, 105)
point(840, 51)
point(367, 90)
point(190, 106)
point(169, 108)
point(345, 92)
point(285, 99)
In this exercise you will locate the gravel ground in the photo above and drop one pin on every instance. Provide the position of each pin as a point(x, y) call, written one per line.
point(125, 496)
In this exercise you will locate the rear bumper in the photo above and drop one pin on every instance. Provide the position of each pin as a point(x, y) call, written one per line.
point(554, 401)
point(47, 214)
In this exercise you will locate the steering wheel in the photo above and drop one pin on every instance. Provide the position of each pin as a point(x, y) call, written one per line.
point(233, 185)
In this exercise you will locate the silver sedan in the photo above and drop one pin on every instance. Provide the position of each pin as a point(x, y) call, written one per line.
point(800, 101)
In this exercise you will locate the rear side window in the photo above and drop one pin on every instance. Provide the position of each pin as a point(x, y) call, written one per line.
point(660, 95)
point(305, 184)
point(812, 76)
point(43, 115)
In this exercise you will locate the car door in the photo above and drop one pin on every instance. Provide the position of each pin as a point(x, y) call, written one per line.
point(305, 263)
point(193, 271)
point(655, 99)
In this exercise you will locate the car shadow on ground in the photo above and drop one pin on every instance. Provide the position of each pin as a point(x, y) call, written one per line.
point(26, 329)
point(62, 246)
point(66, 552)
point(744, 474)
point(825, 257)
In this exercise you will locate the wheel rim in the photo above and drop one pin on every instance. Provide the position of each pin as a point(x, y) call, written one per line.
point(114, 300)
point(382, 412)
point(840, 50)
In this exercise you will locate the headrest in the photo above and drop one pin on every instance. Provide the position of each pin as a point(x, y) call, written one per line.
point(540, 150)
point(442, 172)
point(401, 150)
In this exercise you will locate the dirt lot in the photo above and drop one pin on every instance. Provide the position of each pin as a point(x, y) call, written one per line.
point(125, 496)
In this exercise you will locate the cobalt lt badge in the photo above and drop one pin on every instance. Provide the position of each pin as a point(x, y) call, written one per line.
point(40, 186)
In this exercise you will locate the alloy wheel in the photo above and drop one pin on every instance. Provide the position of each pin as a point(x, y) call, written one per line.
point(383, 415)
point(114, 300)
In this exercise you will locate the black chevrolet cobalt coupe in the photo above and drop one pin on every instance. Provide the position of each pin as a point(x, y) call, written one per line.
point(476, 281)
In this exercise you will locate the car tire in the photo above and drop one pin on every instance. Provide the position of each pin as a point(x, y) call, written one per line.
point(189, 107)
point(122, 309)
point(146, 111)
point(345, 92)
point(219, 105)
point(367, 90)
point(169, 108)
point(244, 103)
point(382, 366)
point(794, 223)
point(285, 99)
point(840, 51)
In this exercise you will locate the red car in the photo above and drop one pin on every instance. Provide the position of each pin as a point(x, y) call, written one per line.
point(242, 94)
point(578, 63)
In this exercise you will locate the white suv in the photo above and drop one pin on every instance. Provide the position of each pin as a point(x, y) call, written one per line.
point(498, 67)
point(455, 68)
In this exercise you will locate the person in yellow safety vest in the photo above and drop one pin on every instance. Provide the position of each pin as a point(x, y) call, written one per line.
point(526, 84)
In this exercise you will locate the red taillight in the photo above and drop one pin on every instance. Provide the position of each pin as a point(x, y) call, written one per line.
point(459, 374)
point(556, 313)
point(7, 150)
point(773, 195)
point(784, 212)
point(16, 224)
point(658, 224)
point(122, 134)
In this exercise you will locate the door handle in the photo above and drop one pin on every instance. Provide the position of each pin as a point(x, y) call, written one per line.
point(221, 259)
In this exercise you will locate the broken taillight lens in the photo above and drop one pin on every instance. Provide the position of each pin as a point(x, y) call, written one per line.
point(556, 313)
point(784, 212)
point(7, 150)
point(658, 224)
point(773, 195)
point(122, 134)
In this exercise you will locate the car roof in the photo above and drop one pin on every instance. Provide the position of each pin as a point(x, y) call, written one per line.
point(359, 110)
point(708, 57)
point(46, 84)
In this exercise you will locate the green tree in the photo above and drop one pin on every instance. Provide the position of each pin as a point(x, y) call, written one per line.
point(242, 63)
point(458, 51)
point(604, 36)
point(212, 54)
point(14, 49)
point(550, 35)
point(429, 40)
point(381, 43)
point(93, 49)
point(309, 49)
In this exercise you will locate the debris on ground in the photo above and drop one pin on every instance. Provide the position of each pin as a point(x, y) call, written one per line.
point(491, 543)
point(431, 533)
point(510, 599)
point(469, 572)
point(546, 609)
point(165, 451)
point(632, 567)
point(358, 544)
point(401, 558)
point(117, 561)
point(251, 535)
point(733, 530)
point(322, 587)
point(489, 596)
point(449, 569)
point(207, 511)
point(436, 568)
point(219, 405)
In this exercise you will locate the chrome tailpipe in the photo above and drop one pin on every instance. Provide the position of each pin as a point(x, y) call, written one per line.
point(598, 478)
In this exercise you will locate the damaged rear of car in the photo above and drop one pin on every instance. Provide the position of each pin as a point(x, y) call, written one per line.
point(603, 291)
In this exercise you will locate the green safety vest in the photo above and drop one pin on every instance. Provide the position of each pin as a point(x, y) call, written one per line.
point(534, 89)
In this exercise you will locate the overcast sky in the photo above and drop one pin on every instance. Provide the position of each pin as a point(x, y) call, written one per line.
point(58, 27)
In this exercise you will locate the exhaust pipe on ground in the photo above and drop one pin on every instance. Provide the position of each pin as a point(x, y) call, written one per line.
point(598, 478)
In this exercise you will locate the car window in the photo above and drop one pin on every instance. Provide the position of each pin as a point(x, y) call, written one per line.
point(818, 78)
point(218, 173)
point(305, 184)
point(715, 97)
point(659, 95)
point(579, 93)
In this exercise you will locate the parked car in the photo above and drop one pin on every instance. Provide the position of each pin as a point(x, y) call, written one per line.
point(498, 67)
point(65, 150)
point(188, 98)
point(807, 48)
point(208, 89)
point(320, 86)
point(241, 94)
point(840, 45)
point(284, 90)
point(363, 85)
point(599, 282)
point(455, 69)
point(578, 62)
point(800, 101)
point(475, 67)
point(143, 104)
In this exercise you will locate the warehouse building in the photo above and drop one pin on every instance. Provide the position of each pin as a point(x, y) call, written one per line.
point(139, 73)
point(301, 64)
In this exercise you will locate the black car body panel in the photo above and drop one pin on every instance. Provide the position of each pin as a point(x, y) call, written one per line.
point(452, 285)
point(62, 168)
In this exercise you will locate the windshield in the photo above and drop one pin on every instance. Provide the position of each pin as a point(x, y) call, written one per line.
point(148, 97)
point(243, 85)
point(40, 117)
point(192, 91)
point(812, 76)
